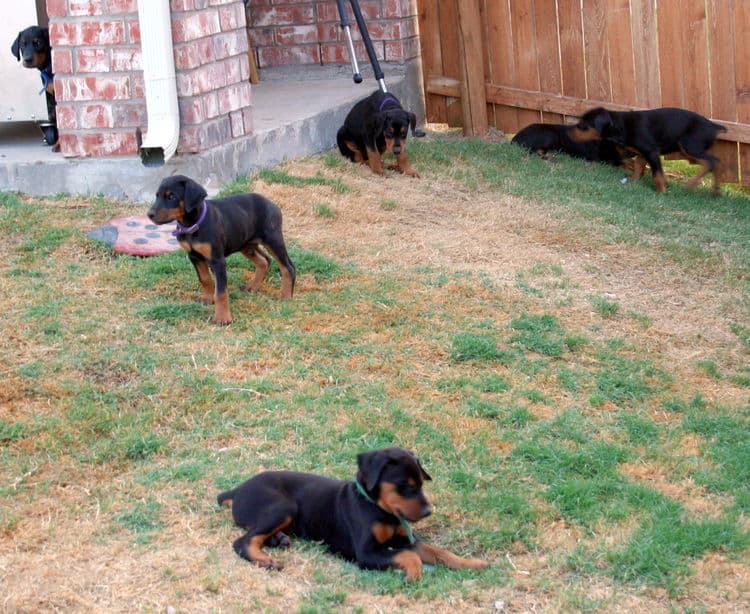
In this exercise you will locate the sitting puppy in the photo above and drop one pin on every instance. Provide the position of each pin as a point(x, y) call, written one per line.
point(542, 138)
point(210, 230)
point(652, 133)
point(32, 48)
point(375, 125)
point(364, 521)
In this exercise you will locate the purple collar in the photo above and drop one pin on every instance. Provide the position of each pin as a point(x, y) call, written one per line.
point(189, 230)
point(387, 98)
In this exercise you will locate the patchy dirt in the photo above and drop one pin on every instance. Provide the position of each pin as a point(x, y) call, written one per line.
point(391, 224)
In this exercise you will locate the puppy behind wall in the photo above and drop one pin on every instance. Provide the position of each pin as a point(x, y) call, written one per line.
point(32, 49)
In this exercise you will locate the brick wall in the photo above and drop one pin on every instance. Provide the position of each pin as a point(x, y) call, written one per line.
point(297, 32)
point(99, 84)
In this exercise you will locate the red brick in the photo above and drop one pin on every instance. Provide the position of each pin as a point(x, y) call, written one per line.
point(238, 125)
point(92, 59)
point(276, 16)
point(129, 114)
point(98, 144)
point(229, 44)
point(87, 33)
point(211, 104)
point(328, 32)
point(62, 61)
point(385, 30)
point(193, 54)
point(247, 116)
point(78, 89)
point(279, 56)
point(126, 59)
point(82, 8)
point(66, 117)
point(261, 37)
point(234, 97)
point(328, 11)
point(57, 8)
point(119, 7)
point(204, 79)
point(192, 111)
point(296, 35)
point(232, 17)
point(134, 31)
point(96, 116)
point(195, 26)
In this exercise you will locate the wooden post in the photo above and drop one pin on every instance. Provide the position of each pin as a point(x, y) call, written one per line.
point(473, 98)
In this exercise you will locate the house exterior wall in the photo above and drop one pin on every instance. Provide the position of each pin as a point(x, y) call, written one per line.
point(99, 85)
point(304, 32)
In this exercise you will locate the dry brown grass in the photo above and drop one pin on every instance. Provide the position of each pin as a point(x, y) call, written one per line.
point(61, 555)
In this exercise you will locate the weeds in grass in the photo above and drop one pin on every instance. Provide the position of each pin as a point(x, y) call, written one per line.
point(121, 395)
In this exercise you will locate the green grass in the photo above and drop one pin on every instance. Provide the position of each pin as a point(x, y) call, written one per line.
point(123, 403)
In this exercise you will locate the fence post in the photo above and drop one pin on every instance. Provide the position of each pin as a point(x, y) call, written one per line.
point(471, 56)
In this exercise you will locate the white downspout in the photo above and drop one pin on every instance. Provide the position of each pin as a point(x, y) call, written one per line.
point(155, 22)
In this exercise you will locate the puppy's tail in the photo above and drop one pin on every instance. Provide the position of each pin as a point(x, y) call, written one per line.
point(225, 498)
point(341, 138)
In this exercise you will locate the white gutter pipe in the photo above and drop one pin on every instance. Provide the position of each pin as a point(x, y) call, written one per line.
point(155, 22)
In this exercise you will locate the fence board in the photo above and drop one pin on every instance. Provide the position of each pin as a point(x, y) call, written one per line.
point(670, 53)
point(595, 50)
point(720, 30)
point(571, 48)
point(645, 53)
point(620, 52)
point(501, 60)
point(432, 61)
point(548, 55)
point(525, 53)
point(742, 77)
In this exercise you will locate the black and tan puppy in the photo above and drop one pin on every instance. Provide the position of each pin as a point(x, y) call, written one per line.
point(375, 125)
point(33, 50)
point(543, 138)
point(364, 521)
point(211, 230)
point(650, 134)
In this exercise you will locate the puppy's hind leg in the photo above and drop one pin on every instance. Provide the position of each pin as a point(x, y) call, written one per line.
point(432, 555)
point(261, 268)
point(288, 271)
point(250, 545)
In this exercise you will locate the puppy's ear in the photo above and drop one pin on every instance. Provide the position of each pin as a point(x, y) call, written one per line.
point(603, 123)
point(375, 126)
point(371, 465)
point(425, 475)
point(412, 122)
point(194, 194)
point(15, 47)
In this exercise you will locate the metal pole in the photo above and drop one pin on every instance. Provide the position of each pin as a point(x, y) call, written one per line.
point(368, 44)
point(357, 76)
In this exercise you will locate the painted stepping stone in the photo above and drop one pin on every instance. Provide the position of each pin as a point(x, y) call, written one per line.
point(137, 235)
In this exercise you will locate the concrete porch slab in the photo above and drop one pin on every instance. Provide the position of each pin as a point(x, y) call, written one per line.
point(296, 112)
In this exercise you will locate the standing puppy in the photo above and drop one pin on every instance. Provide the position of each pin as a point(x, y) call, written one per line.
point(33, 50)
point(652, 133)
point(375, 125)
point(210, 230)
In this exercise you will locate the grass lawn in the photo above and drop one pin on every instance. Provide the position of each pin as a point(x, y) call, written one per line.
point(567, 355)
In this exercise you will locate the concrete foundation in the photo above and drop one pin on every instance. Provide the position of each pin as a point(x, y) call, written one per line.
point(297, 111)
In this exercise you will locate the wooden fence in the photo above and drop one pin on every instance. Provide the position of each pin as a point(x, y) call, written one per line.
point(508, 63)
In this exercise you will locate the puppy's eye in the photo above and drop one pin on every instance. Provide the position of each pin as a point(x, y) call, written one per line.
point(407, 490)
point(38, 44)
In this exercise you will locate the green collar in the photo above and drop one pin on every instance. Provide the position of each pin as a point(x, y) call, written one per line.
point(404, 524)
